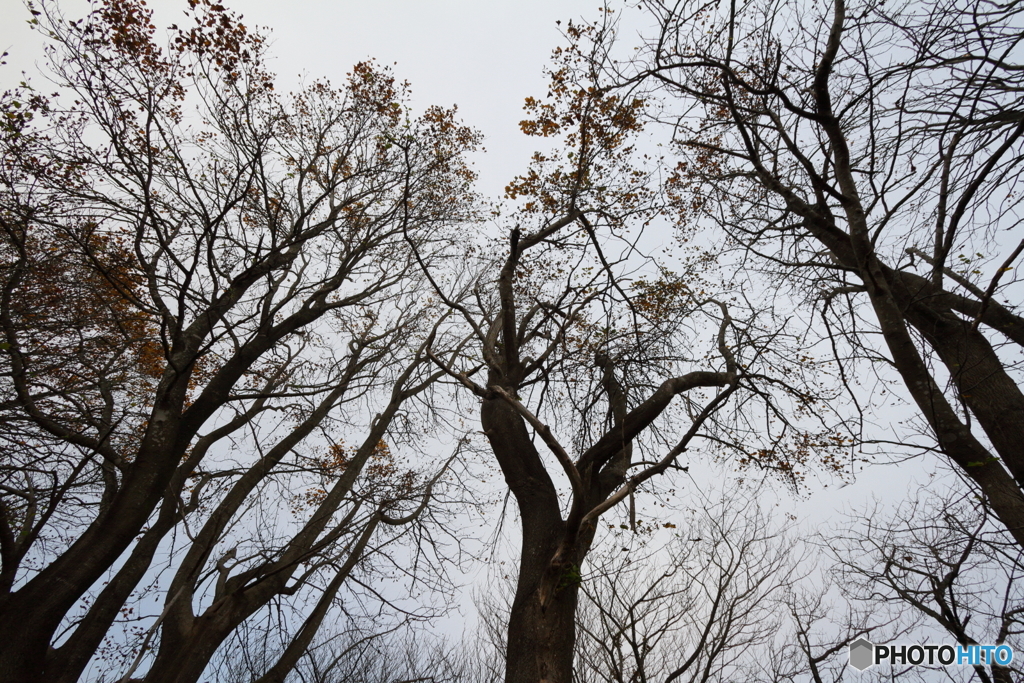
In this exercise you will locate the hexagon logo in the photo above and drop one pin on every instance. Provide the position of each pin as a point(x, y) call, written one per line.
point(862, 654)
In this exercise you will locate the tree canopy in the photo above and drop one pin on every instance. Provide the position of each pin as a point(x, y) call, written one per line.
point(252, 344)
point(212, 318)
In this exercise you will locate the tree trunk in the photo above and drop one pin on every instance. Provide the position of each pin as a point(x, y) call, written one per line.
point(30, 616)
point(542, 628)
point(542, 633)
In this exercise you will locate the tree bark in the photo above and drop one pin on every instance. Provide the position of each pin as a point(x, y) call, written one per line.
point(541, 623)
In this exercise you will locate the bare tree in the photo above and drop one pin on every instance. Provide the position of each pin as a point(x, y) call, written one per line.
point(866, 156)
point(943, 563)
point(732, 595)
point(206, 289)
point(358, 653)
point(702, 608)
point(575, 327)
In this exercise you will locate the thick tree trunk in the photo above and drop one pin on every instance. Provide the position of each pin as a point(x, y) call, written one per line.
point(985, 387)
point(542, 622)
point(542, 633)
point(185, 659)
point(30, 616)
point(542, 629)
point(66, 663)
point(901, 301)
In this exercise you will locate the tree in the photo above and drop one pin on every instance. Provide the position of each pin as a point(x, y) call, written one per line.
point(355, 655)
point(865, 156)
point(206, 289)
point(702, 608)
point(730, 598)
point(731, 595)
point(574, 326)
point(941, 561)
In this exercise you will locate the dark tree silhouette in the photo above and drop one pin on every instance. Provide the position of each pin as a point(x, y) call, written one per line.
point(205, 290)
